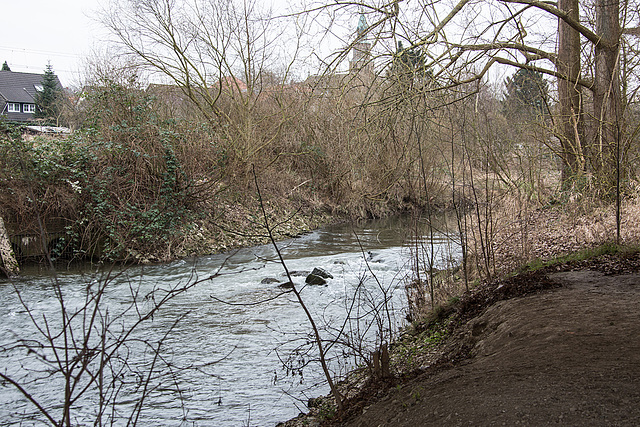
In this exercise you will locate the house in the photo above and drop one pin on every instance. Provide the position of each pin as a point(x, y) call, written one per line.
point(17, 95)
point(232, 85)
point(358, 80)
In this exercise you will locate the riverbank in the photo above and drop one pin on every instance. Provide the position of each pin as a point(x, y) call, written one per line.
point(551, 259)
point(239, 222)
point(131, 185)
point(240, 225)
point(556, 345)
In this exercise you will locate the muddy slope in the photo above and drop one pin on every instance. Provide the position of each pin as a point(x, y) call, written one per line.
point(565, 355)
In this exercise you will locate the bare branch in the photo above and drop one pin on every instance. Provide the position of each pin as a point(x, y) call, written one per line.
point(565, 16)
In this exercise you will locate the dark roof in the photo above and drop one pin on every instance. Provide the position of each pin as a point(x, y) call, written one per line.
point(20, 87)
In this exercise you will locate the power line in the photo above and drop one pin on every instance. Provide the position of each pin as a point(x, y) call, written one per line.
point(39, 69)
point(18, 58)
point(39, 52)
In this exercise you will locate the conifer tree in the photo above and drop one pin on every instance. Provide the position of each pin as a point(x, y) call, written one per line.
point(527, 93)
point(47, 105)
point(409, 67)
point(5, 67)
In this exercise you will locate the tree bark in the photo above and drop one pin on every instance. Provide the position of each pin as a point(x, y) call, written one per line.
point(571, 126)
point(606, 93)
point(6, 251)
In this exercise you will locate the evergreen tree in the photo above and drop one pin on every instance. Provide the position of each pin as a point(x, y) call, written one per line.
point(5, 66)
point(47, 99)
point(527, 93)
point(409, 66)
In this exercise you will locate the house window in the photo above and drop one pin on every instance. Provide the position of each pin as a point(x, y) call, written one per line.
point(13, 107)
point(29, 108)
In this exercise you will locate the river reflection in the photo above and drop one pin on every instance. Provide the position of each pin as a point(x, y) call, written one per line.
point(230, 360)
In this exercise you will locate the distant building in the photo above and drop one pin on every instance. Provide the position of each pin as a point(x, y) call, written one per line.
point(354, 83)
point(178, 102)
point(232, 85)
point(361, 60)
point(170, 101)
point(17, 95)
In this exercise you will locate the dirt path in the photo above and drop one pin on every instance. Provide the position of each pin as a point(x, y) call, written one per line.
point(565, 356)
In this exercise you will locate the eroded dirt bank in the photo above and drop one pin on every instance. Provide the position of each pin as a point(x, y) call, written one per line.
point(558, 347)
point(567, 356)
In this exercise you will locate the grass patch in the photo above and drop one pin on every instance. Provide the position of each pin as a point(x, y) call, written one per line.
point(578, 256)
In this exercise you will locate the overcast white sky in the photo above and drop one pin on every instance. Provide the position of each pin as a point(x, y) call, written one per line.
point(34, 32)
point(63, 32)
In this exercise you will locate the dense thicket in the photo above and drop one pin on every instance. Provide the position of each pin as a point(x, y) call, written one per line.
point(151, 168)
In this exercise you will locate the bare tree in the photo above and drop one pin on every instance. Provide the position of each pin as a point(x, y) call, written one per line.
point(217, 54)
point(465, 41)
point(571, 115)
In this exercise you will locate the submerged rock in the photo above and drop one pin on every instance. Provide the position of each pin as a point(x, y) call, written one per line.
point(269, 280)
point(373, 257)
point(297, 273)
point(314, 279)
point(287, 285)
point(322, 273)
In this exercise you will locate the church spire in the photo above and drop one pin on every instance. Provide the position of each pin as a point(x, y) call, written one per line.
point(361, 60)
point(362, 26)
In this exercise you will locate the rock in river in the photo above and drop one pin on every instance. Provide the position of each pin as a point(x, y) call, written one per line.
point(287, 285)
point(322, 273)
point(318, 277)
point(296, 273)
point(312, 279)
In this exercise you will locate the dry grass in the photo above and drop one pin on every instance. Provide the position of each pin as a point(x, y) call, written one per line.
point(553, 231)
point(522, 233)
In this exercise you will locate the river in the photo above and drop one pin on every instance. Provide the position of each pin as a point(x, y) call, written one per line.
point(236, 350)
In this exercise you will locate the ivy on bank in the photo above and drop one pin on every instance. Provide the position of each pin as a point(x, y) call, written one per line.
point(117, 185)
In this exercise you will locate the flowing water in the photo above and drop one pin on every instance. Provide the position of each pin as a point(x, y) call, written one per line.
point(236, 350)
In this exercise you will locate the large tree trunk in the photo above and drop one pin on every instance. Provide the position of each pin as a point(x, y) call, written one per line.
point(6, 252)
point(606, 93)
point(571, 126)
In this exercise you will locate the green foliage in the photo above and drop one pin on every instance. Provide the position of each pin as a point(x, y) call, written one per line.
point(48, 99)
point(409, 60)
point(421, 338)
point(527, 93)
point(138, 221)
point(119, 183)
point(5, 66)
point(36, 187)
point(138, 195)
point(28, 168)
point(582, 255)
point(327, 412)
point(409, 68)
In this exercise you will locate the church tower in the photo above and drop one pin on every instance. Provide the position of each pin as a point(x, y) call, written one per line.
point(361, 60)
